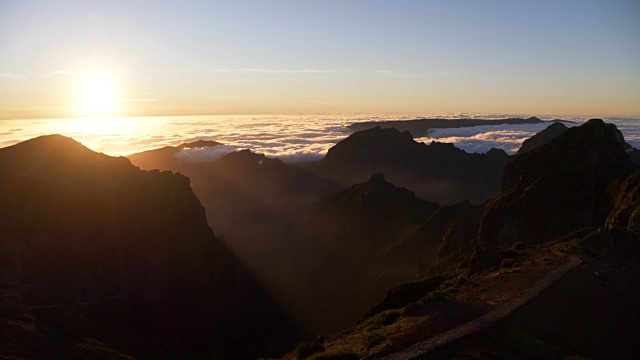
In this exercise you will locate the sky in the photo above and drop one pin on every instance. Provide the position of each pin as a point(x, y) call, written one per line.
point(266, 57)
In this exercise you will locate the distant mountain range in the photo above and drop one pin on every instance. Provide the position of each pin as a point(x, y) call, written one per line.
point(419, 127)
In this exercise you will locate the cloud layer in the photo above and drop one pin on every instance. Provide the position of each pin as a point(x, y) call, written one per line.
point(481, 139)
point(291, 138)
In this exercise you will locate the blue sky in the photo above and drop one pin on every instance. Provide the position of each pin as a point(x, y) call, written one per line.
point(174, 57)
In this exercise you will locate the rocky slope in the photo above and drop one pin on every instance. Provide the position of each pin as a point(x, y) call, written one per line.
point(93, 248)
point(559, 187)
point(261, 209)
point(574, 195)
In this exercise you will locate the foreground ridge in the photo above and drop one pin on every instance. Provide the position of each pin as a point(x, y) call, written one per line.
point(488, 319)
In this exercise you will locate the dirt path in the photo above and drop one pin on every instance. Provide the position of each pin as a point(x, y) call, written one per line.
point(486, 320)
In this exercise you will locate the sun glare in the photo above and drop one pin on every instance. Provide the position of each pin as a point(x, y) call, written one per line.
point(96, 95)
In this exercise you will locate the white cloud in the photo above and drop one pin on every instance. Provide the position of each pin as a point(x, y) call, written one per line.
point(396, 73)
point(288, 137)
point(272, 71)
point(248, 71)
point(482, 138)
point(7, 75)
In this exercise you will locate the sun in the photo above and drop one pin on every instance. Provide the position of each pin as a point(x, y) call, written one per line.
point(96, 94)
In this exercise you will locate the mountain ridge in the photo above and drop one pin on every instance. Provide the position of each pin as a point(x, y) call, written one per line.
point(100, 249)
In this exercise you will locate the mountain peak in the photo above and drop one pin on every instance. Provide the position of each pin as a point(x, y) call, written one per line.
point(49, 143)
point(55, 151)
point(378, 177)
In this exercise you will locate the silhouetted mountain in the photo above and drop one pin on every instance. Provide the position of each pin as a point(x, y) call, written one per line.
point(165, 158)
point(253, 200)
point(559, 187)
point(620, 237)
point(374, 212)
point(261, 209)
point(93, 248)
point(553, 131)
point(419, 127)
point(438, 172)
point(354, 229)
point(454, 228)
point(550, 132)
point(576, 194)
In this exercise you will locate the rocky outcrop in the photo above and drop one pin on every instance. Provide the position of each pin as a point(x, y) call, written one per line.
point(103, 250)
point(625, 214)
point(551, 132)
point(620, 237)
point(438, 172)
point(558, 188)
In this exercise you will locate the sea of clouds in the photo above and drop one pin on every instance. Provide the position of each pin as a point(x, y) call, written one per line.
point(291, 138)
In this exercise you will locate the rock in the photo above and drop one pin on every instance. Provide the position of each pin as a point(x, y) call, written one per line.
point(550, 132)
point(558, 188)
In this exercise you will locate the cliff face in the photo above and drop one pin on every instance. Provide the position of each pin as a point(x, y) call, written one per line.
point(626, 206)
point(126, 253)
point(437, 172)
point(559, 187)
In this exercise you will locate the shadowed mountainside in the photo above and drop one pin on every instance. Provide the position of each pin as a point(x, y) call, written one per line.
point(380, 235)
point(576, 194)
point(93, 248)
point(263, 209)
point(354, 228)
point(559, 187)
point(437, 172)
